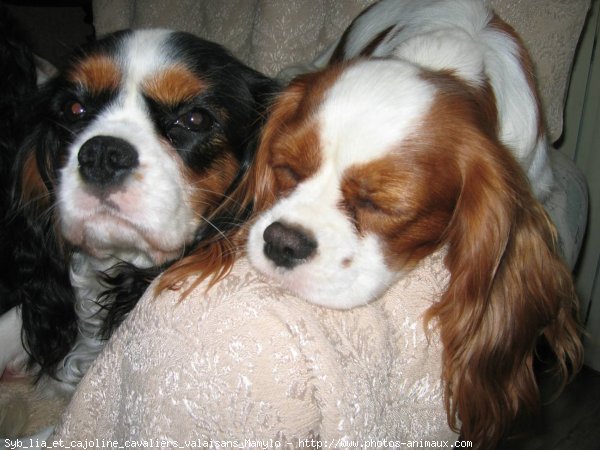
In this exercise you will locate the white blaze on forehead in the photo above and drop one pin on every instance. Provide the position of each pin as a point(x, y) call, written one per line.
point(370, 109)
point(144, 53)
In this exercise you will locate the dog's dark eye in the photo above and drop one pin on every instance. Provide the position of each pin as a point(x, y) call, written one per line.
point(195, 120)
point(74, 111)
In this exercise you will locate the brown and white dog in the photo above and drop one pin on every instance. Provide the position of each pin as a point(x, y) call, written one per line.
point(419, 137)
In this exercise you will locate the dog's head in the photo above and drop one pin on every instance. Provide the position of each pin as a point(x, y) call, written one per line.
point(364, 170)
point(368, 182)
point(138, 140)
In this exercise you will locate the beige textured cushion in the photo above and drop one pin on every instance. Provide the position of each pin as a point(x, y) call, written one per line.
point(249, 361)
point(272, 34)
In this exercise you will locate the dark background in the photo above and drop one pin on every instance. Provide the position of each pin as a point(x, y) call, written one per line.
point(54, 28)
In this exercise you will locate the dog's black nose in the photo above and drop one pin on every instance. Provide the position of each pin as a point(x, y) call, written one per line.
point(106, 160)
point(287, 245)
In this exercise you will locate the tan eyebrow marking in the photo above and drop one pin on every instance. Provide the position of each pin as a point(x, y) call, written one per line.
point(173, 86)
point(96, 74)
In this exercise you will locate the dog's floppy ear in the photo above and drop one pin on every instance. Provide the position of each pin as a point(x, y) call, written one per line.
point(508, 287)
point(262, 88)
point(259, 187)
point(33, 194)
point(253, 113)
point(39, 273)
point(35, 170)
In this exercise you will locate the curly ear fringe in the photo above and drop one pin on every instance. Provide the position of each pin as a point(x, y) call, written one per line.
point(508, 288)
point(39, 264)
point(215, 260)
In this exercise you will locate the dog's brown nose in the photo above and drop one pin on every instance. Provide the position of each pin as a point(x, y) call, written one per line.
point(106, 160)
point(288, 245)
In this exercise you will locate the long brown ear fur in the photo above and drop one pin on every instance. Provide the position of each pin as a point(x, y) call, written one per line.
point(508, 288)
point(260, 189)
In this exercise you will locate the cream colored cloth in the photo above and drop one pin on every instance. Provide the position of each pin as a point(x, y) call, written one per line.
point(272, 34)
point(249, 361)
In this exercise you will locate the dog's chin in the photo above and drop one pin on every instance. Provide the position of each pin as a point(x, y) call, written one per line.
point(337, 283)
point(345, 290)
point(106, 236)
